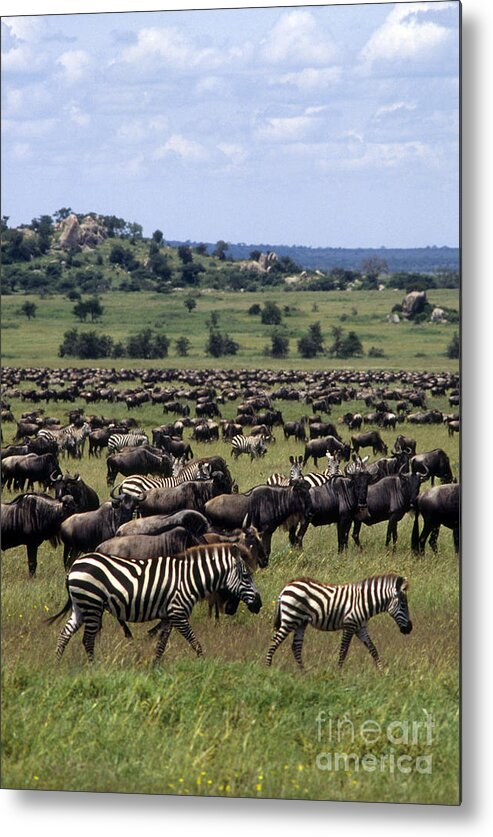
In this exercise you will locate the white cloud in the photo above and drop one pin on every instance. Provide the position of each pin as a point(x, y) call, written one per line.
point(237, 154)
point(394, 107)
point(187, 149)
point(77, 116)
point(30, 128)
point(22, 59)
point(310, 78)
point(169, 47)
point(389, 155)
point(285, 129)
point(297, 39)
point(74, 63)
point(405, 35)
point(22, 151)
point(23, 28)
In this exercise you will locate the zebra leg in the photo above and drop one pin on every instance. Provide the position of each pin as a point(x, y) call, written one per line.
point(91, 628)
point(347, 635)
point(364, 636)
point(181, 623)
point(165, 629)
point(279, 637)
point(297, 644)
point(71, 627)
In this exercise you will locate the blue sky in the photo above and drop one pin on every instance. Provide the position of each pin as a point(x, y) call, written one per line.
point(323, 125)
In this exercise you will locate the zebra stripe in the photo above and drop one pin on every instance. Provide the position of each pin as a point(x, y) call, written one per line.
point(339, 607)
point(253, 445)
point(295, 473)
point(138, 484)
point(63, 436)
point(117, 441)
point(164, 588)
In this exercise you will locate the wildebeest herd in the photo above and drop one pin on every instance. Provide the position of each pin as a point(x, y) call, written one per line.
point(175, 527)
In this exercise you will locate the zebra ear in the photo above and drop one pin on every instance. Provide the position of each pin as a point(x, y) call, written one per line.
point(291, 459)
point(404, 584)
point(300, 459)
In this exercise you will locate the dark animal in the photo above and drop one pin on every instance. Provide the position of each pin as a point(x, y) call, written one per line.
point(193, 494)
point(29, 469)
point(296, 429)
point(432, 464)
point(388, 500)
point(370, 439)
point(193, 521)
point(438, 506)
point(137, 460)
point(83, 531)
point(85, 497)
point(317, 448)
point(31, 519)
point(139, 547)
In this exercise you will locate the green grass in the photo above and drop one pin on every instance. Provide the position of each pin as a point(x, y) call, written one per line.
point(406, 346)
point(226, 725)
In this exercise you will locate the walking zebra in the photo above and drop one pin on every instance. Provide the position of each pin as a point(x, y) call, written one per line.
point(164, 588)
point(294, 473)
point(137, 485)
point(339, 607)
point(253, 445)
point(117, 441)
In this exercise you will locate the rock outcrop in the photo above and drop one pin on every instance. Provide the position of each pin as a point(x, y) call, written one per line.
point(413, 304)
point(85, 235)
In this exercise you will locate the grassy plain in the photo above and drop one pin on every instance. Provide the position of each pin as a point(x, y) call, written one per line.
point(225, 725)
point(405, 345)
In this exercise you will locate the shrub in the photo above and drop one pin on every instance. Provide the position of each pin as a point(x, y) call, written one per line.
point(87, 345)
point(374, 351)
point(271, 314)
point(146, 344)
point(453, 348)
point(254, 309)
point(182, 346)
point(220, 344)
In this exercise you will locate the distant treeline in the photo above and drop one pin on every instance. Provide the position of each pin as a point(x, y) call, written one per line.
point(418, 259)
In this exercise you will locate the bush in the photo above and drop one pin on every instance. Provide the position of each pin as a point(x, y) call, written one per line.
point(220, 344)
point(271, 314)
point(345, 346)
point(88, 345)
point(182, 346)
point(279, 346)
point(255, 309)
point(374, 351)
point(146, 344)
point(453, 348)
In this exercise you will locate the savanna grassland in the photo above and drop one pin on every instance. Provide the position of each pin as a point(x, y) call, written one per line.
point(226, 725)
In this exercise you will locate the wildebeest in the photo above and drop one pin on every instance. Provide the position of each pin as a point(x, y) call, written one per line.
point(84, 530)
point(137, 460)
point(85, 497)
point(318, 448)
point(370, 439)
point(170, 542)
point(323, 428)
point(296, 429)
point(438, 506)
point(388, 500)
point(29, 469)
point(431, 464)
point(405, 443)
point(388, 466)
point(267, 507)
point(193, 521)
point(193, 494)
point(340, 500)
point(31, 519)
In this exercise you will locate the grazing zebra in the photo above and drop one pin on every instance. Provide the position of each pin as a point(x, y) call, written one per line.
point(339, 607)
point(254, 445)
point(63, 436)
point(164, 588)
point(117, 441)
point(137, 485)
point(294, 473)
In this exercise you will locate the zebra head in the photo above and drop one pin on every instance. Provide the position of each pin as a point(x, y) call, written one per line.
point(240, 584)
point(398, 607)
point(295, 469)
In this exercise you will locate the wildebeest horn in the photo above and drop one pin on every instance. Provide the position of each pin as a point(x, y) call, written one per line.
point(426, 474)
point(112, 492)
point(55, 479)
point(408, 451)
point(246, 521)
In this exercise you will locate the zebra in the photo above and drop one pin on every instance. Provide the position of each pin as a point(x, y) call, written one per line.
point(358, 464)
point(80, 435)
point(294, 473)
point(117, 441)
point(315, 479)
point(164, 588)
point(335, 607)
point(138, 484)
point(254, 445)
point(63, 436)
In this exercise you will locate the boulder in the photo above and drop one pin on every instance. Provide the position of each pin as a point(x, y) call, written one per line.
point(413, 304)
point(87, 235)
point(438, 315)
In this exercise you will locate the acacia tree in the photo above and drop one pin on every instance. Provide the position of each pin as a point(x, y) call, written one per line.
point(29, 310)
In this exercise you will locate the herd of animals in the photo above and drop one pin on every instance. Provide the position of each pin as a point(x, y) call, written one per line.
point(176, 529)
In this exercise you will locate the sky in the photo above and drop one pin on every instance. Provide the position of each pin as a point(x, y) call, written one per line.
point(332, 126)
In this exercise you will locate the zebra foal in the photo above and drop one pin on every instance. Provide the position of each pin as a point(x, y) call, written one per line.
point(164, 588)
point(339, 607)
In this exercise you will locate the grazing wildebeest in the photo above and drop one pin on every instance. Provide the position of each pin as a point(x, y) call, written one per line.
point(140, 547)
point(433, 463)
point(266, 506)
point(323, 428)
point(85, 497)
point(405, 443)
point(193, 494)
point(370, 439)
point(296, 429)
point(340, 500)
point(137, 460)
point(388, 500)
point(317, 448)
point(438, 506)
point(83, 531)
point(31, 519)
point(191, 520)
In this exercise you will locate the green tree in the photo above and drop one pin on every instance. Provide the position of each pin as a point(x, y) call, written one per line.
point(190, 303)
point(271, 314)
point(182, 346)
point(29, 310)
point(453, 348)
point(185, 254)
point(201, 249)
point(279, 345)
point(62, 214)
point(157, 237)
point(220, 250)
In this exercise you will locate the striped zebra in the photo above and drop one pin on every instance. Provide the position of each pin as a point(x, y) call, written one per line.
point(137, 485)
point(253, 445)
point(63, 436)
point(294, 473)
point(164, 588)
point(80, 435)
point(339, 607)
point(117, 441)
point(316, 479)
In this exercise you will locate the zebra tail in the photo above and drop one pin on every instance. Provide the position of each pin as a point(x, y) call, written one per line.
point(65, 609)
point(277, 615)
point(415, 533)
